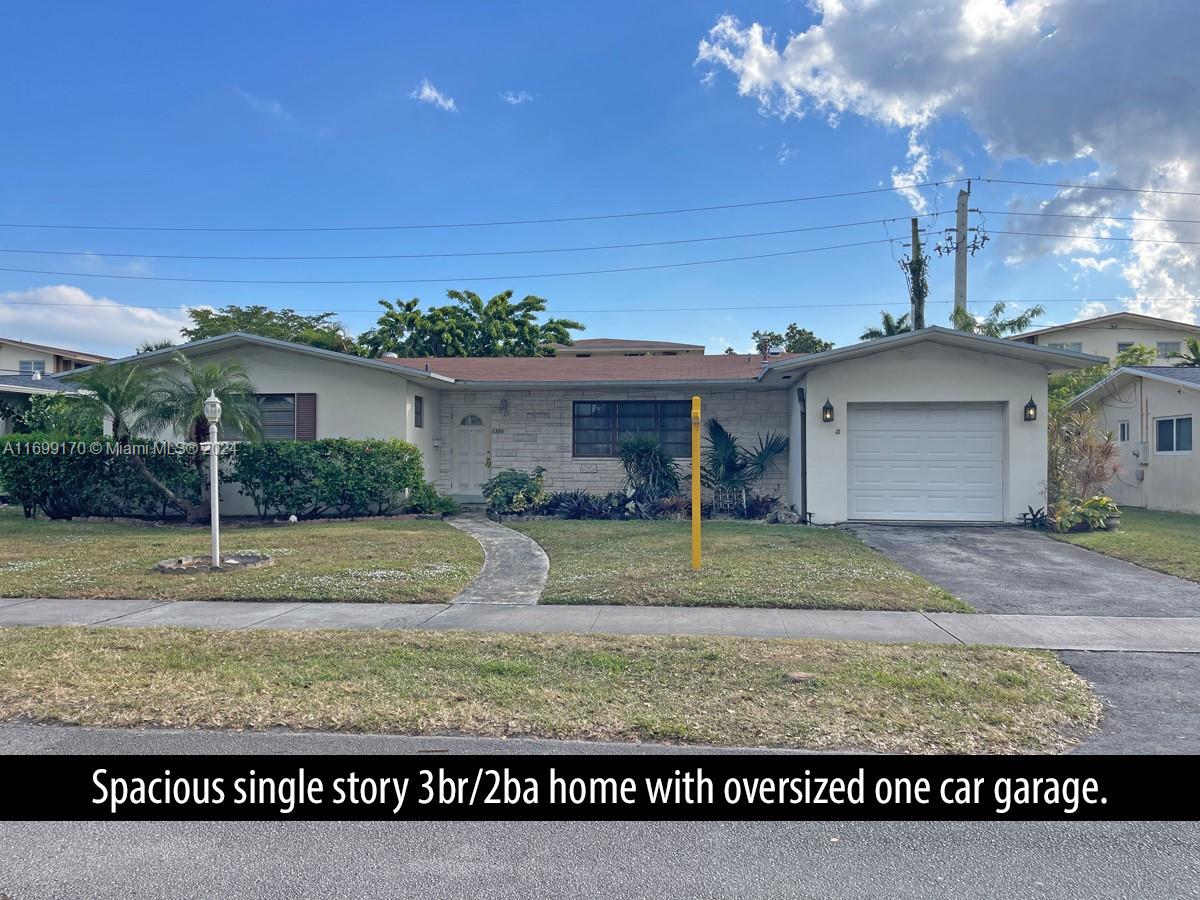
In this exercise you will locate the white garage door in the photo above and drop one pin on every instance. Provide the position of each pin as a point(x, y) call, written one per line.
point(936, 462)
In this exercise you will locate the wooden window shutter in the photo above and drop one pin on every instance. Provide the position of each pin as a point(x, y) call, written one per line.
point(306, 417)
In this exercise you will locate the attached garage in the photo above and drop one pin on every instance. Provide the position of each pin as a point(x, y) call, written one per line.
point(925, 462)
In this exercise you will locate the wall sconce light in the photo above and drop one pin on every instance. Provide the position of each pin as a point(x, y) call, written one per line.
point(1031, 411)
point(827, 411)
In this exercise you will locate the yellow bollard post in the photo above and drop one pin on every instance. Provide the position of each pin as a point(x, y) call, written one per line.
point(695, 483)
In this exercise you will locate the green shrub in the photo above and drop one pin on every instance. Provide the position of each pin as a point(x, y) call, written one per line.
point(578, 505)
point(63, 478)
point(1083, 515)
point(425, 499)
point(513, 492)
point(338, 476)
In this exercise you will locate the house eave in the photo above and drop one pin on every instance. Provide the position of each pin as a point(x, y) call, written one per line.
point(1097, 390)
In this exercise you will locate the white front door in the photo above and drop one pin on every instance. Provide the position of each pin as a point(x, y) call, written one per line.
point(941, 462)
point(471, 452)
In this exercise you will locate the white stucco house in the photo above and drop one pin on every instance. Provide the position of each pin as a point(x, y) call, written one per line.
point(1108, 335)
point(24, 358)
point(1151, 412)
point(931, 426)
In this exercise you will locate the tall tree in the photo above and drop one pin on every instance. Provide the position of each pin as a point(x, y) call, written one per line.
point(888, 326)
point(766, 341)
point(994, 324)
point(470, 326)
point(321, 330)
point(801, 340)
point(1065, 386)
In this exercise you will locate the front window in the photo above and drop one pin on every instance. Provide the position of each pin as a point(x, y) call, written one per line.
point(599, 425)
point(1077, 346)
point(418, 411)
point(276, 418)
point(1173, 435)
point(29, 366)
point(1122, 346)
point(1123, 432)
point(1167, 349)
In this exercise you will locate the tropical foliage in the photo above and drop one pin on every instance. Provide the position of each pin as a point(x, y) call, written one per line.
point(470, 326)
point(513, 492)
point(321, 330)
point(727, 465)
point(888, 325)
point(1083, 459)
point(1190, 357)
point(994, 324)
point(650, 473)
point(1065, 386)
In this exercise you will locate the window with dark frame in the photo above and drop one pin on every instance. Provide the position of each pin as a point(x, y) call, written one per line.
point(599, 425)
point(418, 411)
point(1173, 435)
point(276, 418)
point(1123, 432)
point(29, 366)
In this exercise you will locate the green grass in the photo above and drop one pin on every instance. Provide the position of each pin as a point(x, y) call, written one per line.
point(725, 691)
point(1163, 541)
point(399, 561)
point(649, 563)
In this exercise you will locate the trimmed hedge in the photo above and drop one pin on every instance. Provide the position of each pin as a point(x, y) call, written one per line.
point(63, 478)
point(338, 477)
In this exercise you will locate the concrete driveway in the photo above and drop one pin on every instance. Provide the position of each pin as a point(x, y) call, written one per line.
point(1016, 570)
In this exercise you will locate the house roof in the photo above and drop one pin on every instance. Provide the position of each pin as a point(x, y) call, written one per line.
point(591, 369)
point(1135, 318)
point(58, 351)
point(617, 343)
point(1047, 356)
point(1182, 376)
point(27, 384)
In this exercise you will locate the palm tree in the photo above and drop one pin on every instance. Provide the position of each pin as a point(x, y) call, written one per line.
point(179, 400)
point(992, 325)
point(1190, 358)
point(889, 325)
point(125, 395)
point(727, 464)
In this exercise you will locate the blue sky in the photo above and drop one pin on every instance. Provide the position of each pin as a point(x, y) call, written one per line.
point(304, 114)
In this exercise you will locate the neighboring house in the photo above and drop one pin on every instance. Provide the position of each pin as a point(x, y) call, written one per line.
point(1152, 412)
point(1108, 335)
point(626, 347)
point(15, 390)
point(923, 426)
point(23, 358)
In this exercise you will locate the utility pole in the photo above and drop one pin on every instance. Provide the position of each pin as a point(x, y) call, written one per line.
point(960, 250)
point(918, 283)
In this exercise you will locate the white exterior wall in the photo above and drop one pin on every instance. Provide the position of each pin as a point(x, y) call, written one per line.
point(10, 359)
point(1168, 481)
point(353, 401)
point(1102, 340)
point(536, 430)
point(928, 373)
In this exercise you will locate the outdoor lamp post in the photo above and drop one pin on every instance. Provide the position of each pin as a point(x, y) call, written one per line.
point(212, 412)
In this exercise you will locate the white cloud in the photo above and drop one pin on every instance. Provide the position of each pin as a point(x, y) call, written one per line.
point(516, 98)
point(1092, 264)
point(262, 105)
point(1091, 310)
point(65, 316)
point(785, 154)
point(425, 92)
point(1042, 80)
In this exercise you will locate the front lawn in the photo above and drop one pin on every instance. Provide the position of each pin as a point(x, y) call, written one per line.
point(405, 561)
point(649, 563)
point(1163, 541)
point(820, 695)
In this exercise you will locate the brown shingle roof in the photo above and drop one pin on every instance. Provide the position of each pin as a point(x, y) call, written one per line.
point(723, 367)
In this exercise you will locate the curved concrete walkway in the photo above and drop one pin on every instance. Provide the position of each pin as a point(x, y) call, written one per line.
point(514, 566)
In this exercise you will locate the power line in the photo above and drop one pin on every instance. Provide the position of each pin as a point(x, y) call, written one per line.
point(659, 309)
point(1090, 187)
point(457, 278)
point(1046, 215)
point(1077, 237)
point(543, 221)
point(664, 243)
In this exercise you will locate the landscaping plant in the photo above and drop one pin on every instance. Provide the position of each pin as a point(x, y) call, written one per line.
point(427, 500)
point(513, 492)
point(650, 474)
point(728, 467)
point(1083, 460)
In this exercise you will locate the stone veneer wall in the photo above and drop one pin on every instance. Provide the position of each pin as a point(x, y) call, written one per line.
point(536, 430)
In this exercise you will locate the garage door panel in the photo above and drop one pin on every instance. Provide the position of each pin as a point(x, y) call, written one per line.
point(937, 462)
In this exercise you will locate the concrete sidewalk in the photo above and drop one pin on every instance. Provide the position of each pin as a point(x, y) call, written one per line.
point(1121, 633)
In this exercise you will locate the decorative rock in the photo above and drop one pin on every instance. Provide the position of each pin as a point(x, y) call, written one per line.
point(783, 515)
point(191, 565)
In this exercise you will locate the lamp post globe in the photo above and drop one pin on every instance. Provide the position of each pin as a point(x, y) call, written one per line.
point(212, 408)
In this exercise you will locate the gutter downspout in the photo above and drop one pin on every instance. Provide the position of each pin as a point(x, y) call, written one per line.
point(800, 397)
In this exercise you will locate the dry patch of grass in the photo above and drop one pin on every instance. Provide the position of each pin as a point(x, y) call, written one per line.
point(722, 691)
point(649, 563)
point(1163, 541)
point(399, 561)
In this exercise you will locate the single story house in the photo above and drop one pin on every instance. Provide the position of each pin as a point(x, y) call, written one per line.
point(1151, 412)
point(1108, 335)
point(934, 425)
point(24, 358)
